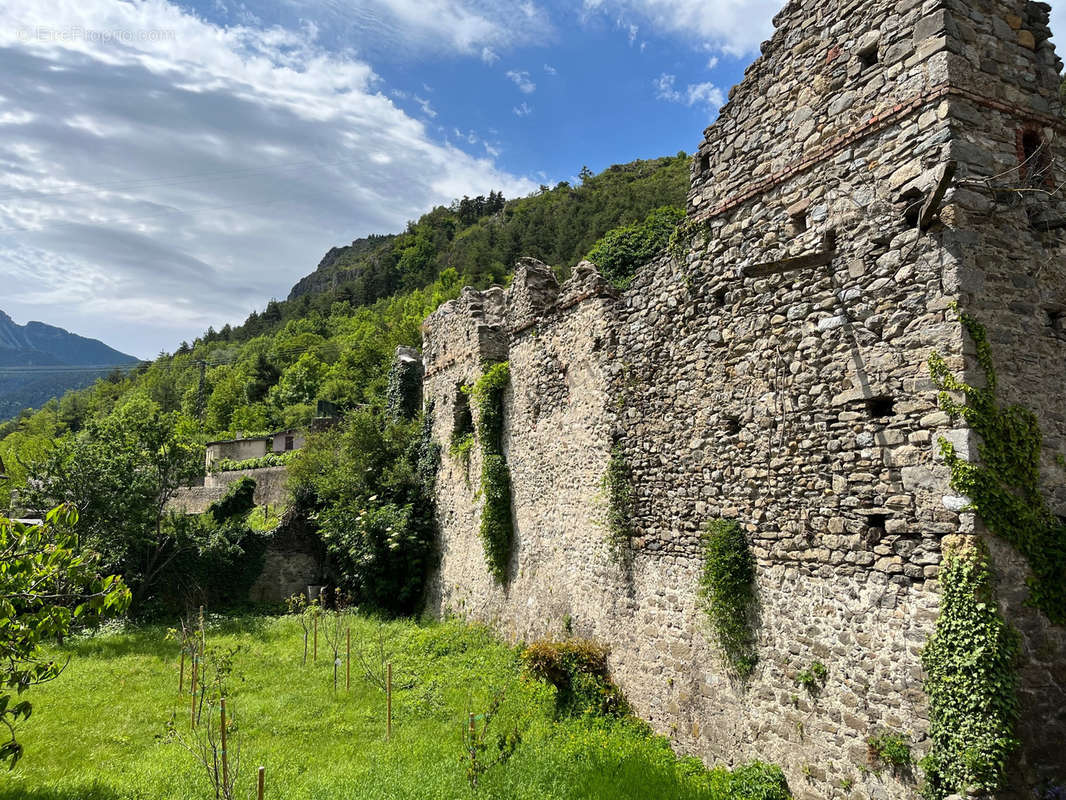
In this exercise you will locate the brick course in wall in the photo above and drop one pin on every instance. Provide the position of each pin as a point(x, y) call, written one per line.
point(795, 400)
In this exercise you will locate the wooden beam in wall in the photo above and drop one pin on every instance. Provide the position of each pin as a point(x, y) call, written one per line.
point(940, 188)
point(809, 261)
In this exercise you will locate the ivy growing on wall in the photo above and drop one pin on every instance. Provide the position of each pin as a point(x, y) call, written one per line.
point(1004, 484)
point(727, 592)
point(971, 679)
point(618, 483)
point(497, 526)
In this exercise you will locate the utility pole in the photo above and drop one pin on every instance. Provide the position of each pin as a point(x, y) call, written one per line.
point(200, 404)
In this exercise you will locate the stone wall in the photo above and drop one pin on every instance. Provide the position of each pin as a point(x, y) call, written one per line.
point(775, 371)
point(270, 489)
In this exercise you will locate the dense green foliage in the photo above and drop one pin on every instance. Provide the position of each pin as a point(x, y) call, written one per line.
point(317, 745)
point(120, 471)
point(45, 584)
point(970, 678)
point(624, 250)
point(618, 483)
point(577, 668)
point(497, 523)
point(481, 238)
point(370, 484)
point(727, 591)
point(1004, 484)
point(269, 460)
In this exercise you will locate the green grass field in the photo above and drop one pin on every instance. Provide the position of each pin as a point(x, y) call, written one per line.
point(98, 732)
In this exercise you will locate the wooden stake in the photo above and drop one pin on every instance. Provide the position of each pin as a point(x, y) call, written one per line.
point(225, 759)
point(316, 638)
point(262, 777)
point(348, 663)
point(388, 702)
point(181, 679)
point(192, 683)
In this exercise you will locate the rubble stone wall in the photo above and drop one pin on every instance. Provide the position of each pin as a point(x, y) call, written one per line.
point(791, 395)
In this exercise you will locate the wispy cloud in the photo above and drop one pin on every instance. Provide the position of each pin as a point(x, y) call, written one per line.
point(522, 81)
point(489, 56)
point(549, 69)
point(154, 185)
point(735, 27)
point(706, 94)
point(523, 110)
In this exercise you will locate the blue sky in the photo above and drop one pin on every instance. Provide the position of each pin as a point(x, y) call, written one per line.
point(166, 165)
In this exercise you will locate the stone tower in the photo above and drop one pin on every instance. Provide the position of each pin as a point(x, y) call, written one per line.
point(881, 167)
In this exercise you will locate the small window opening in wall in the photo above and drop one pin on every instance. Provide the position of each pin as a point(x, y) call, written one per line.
point(463, 420)
point(1034, 158)
point(705, 162)
point(799, 221)
point(867, 59)
point(875, 527)
point(719, 297)
point(1056, 320)
point(880, 407)
point(732, 425)
point(289, 443)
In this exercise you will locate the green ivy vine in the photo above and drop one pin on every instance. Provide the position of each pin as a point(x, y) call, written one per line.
point(727, 593)
point(1004, 483)
point(497, 525)
point(971, 678)
point(618, 483)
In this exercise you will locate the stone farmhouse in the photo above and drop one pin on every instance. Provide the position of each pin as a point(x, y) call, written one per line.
point(884, 168)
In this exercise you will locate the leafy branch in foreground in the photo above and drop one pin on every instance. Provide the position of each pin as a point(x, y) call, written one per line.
point(44, 585)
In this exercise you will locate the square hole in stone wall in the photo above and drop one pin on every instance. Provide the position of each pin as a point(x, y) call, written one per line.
point(731, 424)
point(705, 162)
point(880, 407)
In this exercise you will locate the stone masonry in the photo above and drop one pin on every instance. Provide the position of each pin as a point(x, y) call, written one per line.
point(880, 163)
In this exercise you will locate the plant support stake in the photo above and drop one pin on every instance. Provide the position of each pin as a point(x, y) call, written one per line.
point(348, 663)
point(262, 776)
point(225, 760)
point(388, 702)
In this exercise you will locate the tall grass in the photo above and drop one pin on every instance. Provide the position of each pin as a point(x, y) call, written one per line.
point(97, 732)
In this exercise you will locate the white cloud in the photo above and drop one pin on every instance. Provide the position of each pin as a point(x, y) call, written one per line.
point(152, 185)
point(489, 56)
point(732, 26)
point(522, 81)
point(523, 110)
point(473, 27)
point(548, 68)
point(706, 94)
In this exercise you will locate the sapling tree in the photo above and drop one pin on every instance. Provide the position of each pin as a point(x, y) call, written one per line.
point(215, 744)
point(482, 752)
point(45, 584)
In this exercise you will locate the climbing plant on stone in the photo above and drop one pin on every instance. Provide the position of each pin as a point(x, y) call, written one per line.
point(1004, 483)
point(617, 482)
point(497, 525)
point(971, 678)
point(727, 592)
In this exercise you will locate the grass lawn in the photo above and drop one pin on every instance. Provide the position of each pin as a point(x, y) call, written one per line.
point(98, 732)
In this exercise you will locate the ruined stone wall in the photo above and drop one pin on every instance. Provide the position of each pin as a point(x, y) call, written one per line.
point(270, 489)
point(791, 395)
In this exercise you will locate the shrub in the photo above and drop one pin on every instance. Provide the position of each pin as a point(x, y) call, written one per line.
point(624, 250)
point(237, 502)
point(891, 750)
point(727, 590)
point(269, 460)
point(577, 668)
